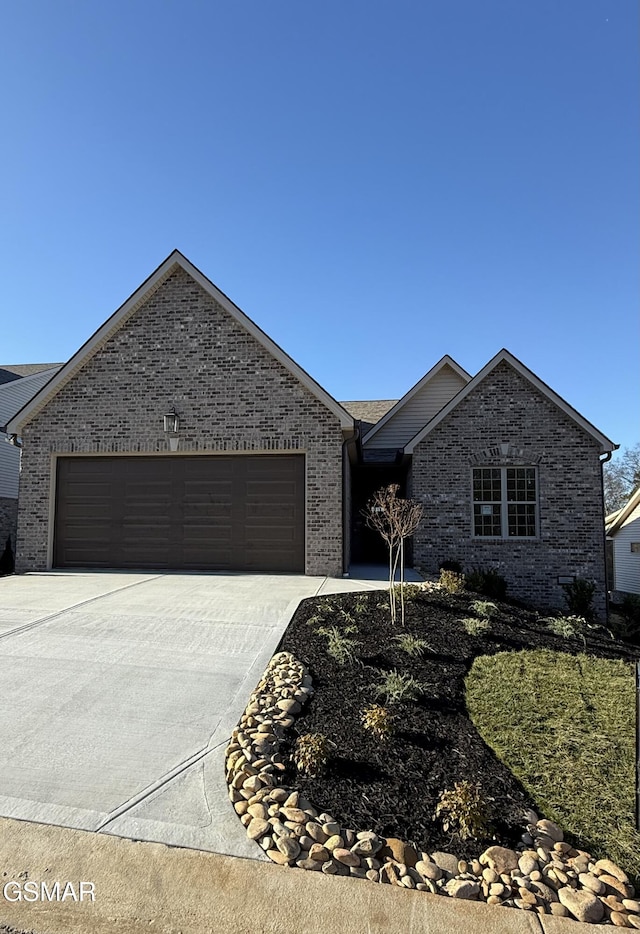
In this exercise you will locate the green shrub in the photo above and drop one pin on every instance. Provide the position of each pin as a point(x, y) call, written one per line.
point(339, 645)
point(311, 753)
point(475, 627)
point(412, 645)
point(452, 581)
point(397, 687)
point(7, 559)
point(630, 608)
point(464, 810)
point(360, 606)
point(454, 566)
point(378, 720)
point(485, 609)
point(578, 596)
point(488, 582)
point(569, 627)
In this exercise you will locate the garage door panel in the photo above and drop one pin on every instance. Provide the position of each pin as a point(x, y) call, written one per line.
point(241, 512)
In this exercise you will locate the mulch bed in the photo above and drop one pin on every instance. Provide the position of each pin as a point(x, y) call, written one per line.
point(393, 787)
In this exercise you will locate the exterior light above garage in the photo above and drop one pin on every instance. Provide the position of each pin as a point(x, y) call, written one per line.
point(171, 422)
point(171, 425)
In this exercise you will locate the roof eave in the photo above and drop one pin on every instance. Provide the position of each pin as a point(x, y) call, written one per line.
point(606, 445)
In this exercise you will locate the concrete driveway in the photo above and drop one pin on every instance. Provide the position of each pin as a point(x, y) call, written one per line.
point(119, 691)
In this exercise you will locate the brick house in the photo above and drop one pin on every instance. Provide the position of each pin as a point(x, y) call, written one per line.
point(180, 436)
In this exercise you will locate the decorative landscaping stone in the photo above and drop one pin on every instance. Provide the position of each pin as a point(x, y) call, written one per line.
point(288, 846)
point(588, 881)
point(429, 870)
point(319, 853)
point(346, 856)
point(606, 866)
point(583, 905)
point(401, 852)
point(446, 862)
point(500, 858)
point(545, 874)
point(257, 828)
point(316, 832)
point(460, 888)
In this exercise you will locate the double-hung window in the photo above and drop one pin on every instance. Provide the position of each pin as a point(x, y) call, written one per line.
point(505, 502)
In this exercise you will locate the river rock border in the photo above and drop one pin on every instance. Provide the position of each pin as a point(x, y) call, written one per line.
point(544, 875)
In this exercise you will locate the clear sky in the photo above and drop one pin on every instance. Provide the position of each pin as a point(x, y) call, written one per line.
point(375, 183)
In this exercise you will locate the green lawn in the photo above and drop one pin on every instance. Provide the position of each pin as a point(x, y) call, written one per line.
point(565, 726)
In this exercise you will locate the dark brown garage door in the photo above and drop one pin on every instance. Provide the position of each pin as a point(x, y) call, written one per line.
point(230, 512)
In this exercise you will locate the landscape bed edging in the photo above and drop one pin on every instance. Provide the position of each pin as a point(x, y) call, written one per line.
point(545, 875)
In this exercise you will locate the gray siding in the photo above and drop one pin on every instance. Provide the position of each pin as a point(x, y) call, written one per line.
point(417, 411)
point(13, 396)
point(626, 564)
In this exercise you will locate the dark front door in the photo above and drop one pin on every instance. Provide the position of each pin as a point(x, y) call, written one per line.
point(228, 512)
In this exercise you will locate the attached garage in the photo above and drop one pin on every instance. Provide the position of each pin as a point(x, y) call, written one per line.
point(239, 512)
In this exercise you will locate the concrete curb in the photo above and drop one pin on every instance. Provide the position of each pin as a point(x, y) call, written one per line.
point(149, 886)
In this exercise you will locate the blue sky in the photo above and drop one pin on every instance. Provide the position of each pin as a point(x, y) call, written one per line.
point(375, 184)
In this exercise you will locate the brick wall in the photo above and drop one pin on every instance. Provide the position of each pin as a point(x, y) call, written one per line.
point(182, 348)
point(506, 409)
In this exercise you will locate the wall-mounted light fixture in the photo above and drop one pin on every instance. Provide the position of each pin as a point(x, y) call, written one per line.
point(171, 426)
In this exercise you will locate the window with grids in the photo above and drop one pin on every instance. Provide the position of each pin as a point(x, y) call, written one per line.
point(505, 502)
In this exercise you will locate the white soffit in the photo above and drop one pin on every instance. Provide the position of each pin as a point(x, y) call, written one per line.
point(148, 287)
point(503, 355)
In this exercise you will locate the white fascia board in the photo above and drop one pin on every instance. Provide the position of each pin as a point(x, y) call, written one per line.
point(503, 355)
point(620, 517)
point(147, 288)
point(445, 361)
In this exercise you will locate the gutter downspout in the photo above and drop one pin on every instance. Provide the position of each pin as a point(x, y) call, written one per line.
point(346, 498)
point(604, 460)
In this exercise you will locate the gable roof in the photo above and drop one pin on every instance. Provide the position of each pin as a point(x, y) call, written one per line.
point(12, 371)
point(445, 361)
point(504, 356)
point(369, 410)
point(617, 519)
point(15, 394)
point(118, 318)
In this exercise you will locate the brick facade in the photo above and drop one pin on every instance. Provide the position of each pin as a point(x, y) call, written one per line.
point(506, 409)
point(180, 347)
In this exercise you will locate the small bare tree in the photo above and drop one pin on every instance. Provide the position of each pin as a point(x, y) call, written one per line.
point(395, 520)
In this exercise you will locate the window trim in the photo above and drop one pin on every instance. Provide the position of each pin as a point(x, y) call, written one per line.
point(504, 505)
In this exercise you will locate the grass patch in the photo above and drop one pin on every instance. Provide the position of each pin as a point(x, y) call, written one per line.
point(565, 726)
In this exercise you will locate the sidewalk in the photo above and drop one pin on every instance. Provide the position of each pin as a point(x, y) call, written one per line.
point(142, 887)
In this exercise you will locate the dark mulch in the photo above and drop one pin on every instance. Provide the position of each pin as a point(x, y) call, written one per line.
point(394, 787)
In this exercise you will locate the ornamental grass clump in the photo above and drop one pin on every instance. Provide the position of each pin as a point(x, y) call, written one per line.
point(340, 645)
point(311, 753)
point(569, 627)
point(412, 645)
point(398, 688)
point(378, 720)
point(476, 627)
point(451, 581)
point(485, 609)
point(464, 811)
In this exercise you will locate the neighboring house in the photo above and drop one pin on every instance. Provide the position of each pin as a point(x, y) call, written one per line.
point(18, 384)
point(180, 436)
point(623, 533)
